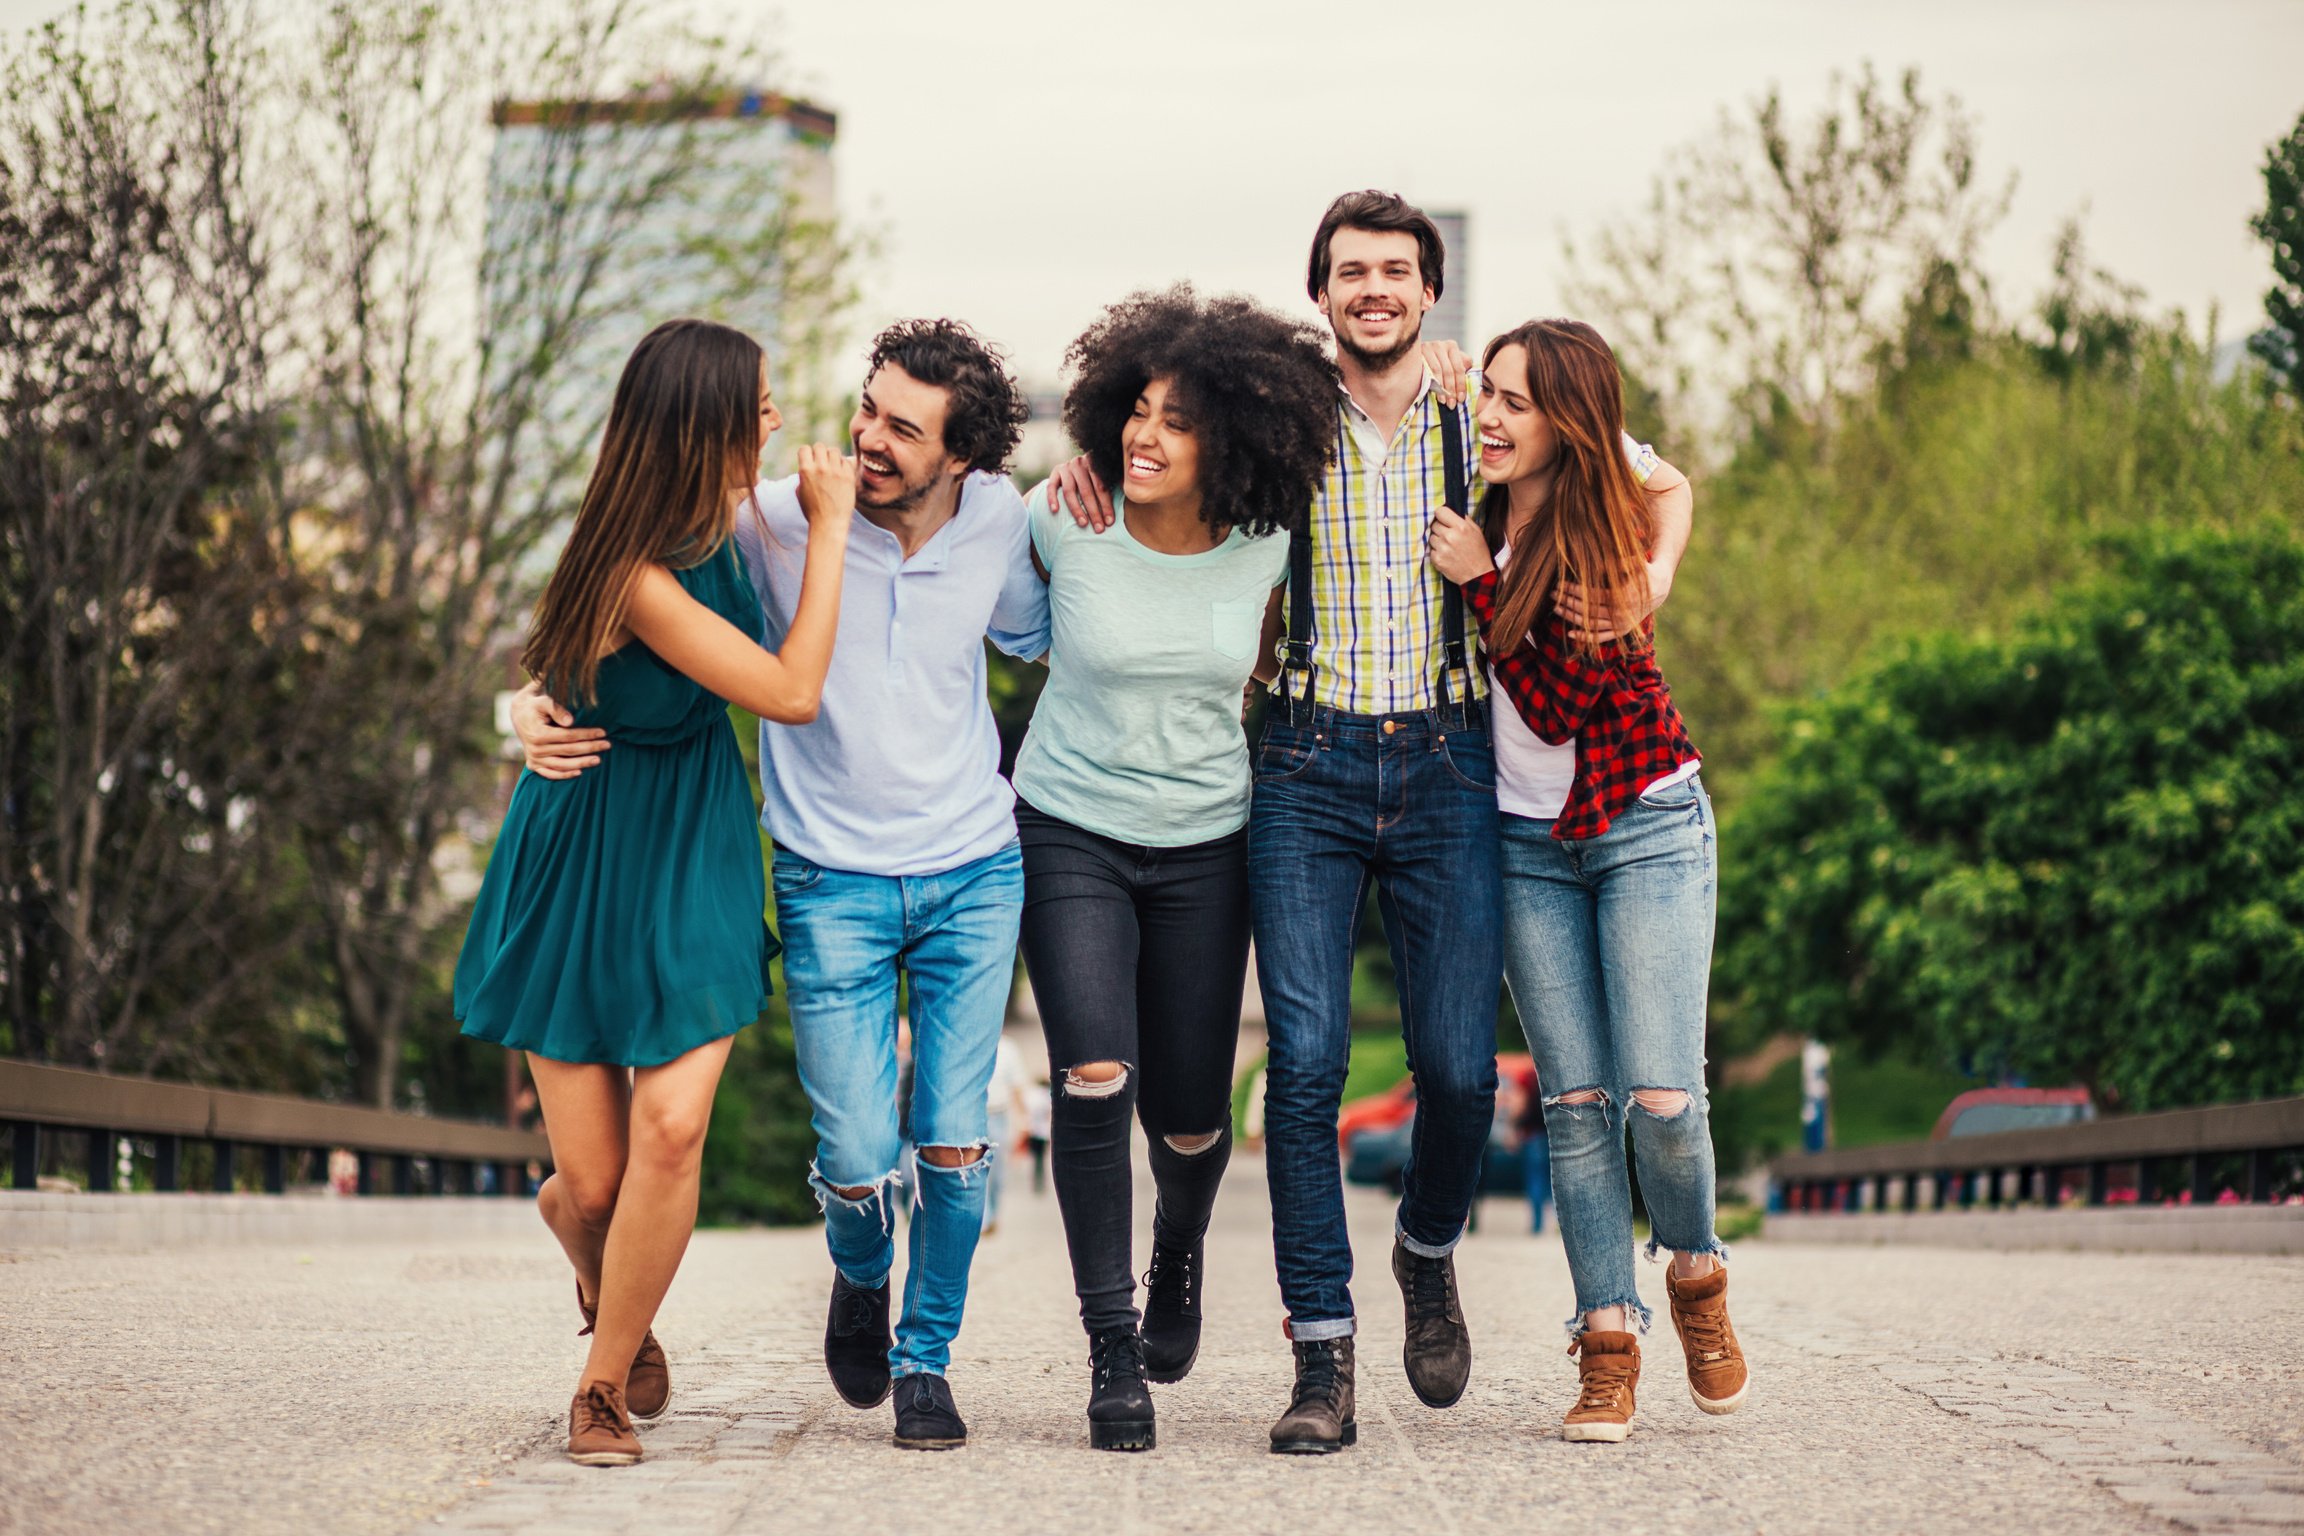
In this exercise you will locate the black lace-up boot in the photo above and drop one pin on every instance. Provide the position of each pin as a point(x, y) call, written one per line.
point(1172, 1311)
point(926, 1417)
point(1119, 1407)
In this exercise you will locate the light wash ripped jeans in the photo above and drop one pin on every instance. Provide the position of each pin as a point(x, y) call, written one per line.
point(951, 937)
point(1608, 951)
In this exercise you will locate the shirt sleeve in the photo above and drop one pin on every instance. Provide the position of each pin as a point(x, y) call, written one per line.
point(1642, 458)
point(1020, 617)
point(1554, 683)
point(1045, 535)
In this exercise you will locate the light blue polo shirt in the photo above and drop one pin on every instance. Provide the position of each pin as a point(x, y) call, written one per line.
point(899, 773)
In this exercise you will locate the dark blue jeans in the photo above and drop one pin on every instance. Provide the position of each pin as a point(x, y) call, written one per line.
point(1408, 801)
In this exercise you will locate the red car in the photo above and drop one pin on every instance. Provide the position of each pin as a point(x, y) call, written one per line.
point(1382, 1111)
point(1983, 1110)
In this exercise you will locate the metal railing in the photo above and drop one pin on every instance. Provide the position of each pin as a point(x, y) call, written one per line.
point(409, 1154)
point(2203, 1154)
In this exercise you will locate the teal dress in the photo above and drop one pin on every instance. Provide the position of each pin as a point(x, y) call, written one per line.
point(621, 920)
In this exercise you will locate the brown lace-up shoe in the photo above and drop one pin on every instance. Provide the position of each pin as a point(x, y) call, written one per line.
point(599, 1430)
point(1319, 1417)
point(648, 1386)
point(1610, 1366)
point(1716, 1375)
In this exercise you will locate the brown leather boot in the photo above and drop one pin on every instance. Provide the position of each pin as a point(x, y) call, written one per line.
point(1717, 1378)
point(648, 1386)
point(1609, 1364)
point(1319, 1417)
point(1437, 1352)
point(599, 1430)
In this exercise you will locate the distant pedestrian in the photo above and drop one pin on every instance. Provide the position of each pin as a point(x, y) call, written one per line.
point(1535, 1148)
point(1039, 1111)
point(618, 937)
point(1609, 855)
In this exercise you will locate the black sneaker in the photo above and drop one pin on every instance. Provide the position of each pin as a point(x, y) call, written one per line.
point(926, 1419)
point(856, 1342)
point(1172, 1311)
point(1438, 1350)
point(1119, 1407)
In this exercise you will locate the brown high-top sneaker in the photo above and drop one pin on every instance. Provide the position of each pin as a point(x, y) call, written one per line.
point(648, 1385)
point(1610, 1366)
point(1716, 1375)
point(1319, 1417)
point(599, 1430)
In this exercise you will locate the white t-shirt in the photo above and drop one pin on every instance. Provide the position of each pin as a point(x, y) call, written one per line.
point(1533, 777)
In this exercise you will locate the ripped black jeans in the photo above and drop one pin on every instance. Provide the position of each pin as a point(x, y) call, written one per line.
point(1137, 956)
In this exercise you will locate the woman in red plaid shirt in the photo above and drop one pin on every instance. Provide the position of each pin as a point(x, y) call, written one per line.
point(1609, 856)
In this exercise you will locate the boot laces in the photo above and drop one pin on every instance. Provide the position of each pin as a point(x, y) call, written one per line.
point(1117, 1355)
point(856, 1313)
point(1168, 1283)
point(1318, 1375)
point(1706, 1333)
point(1427, 1289)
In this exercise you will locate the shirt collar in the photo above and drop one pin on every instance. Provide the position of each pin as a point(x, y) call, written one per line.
point(1423, 390)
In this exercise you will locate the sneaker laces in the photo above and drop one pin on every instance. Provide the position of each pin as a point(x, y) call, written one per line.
point(1706, 1333)
point(856, 1312)
point(600, 1410)
point(1604, 1379)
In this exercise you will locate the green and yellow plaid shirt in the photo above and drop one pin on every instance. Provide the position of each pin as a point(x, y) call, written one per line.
point(1376, 603)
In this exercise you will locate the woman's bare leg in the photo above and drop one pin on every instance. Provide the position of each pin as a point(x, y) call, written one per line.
point(587, 1108)
point(656, 1210)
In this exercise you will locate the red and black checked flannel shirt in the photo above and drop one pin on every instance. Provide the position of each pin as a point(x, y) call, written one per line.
point(1614, 704)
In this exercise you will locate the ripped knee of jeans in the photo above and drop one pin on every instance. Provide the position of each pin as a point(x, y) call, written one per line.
point(855, 1196)
point(1193, 1146)
point(953, 1157)
point(1095, 1079)
point(1579, 1099)
point(1663, 1103)
point(965, 1163)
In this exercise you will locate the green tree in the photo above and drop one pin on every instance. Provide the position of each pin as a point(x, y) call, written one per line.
point(2281, 226)
point(2072, 855)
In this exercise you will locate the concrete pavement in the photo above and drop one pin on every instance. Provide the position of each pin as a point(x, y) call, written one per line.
point(374, 1388)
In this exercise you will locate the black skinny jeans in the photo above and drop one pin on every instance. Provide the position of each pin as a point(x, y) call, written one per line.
point(1137, 955)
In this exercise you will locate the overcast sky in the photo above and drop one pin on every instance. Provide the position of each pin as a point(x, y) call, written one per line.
point(1029, 160)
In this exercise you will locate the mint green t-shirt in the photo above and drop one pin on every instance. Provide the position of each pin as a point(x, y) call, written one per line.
point(1137, 735)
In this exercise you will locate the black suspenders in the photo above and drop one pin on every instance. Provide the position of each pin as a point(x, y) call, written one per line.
point(1297, 657)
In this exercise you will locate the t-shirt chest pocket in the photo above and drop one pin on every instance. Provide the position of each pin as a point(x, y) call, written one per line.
point(1235, 626)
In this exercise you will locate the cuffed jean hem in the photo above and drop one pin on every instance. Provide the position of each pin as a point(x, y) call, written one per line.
point(1330, 1328)
point(1640, 1316)
point(1423, 1250)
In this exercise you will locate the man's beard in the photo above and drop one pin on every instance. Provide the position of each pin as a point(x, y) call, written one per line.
point(907, 495)
point(1377, 362)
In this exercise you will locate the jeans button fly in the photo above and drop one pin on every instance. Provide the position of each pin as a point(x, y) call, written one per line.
point(1390, 726)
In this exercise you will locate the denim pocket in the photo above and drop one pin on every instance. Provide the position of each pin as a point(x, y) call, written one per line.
point(1470, 758)
point(790, 874)
point(1672, 797)
point(1234, 627)
point(1286, 752)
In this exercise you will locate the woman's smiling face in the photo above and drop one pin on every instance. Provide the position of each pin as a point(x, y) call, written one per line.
point(1516, 439)
point(1159, 451)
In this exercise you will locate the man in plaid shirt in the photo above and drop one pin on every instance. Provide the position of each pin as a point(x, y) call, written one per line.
point(1375, 767)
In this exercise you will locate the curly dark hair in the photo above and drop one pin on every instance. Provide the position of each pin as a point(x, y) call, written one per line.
point(984, 419)
point(1259, 389)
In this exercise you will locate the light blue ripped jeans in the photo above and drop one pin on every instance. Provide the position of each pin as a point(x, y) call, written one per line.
point(1608, 950)
point(848, 938)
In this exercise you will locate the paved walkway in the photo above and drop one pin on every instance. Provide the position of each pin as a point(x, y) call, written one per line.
point(363, 1388)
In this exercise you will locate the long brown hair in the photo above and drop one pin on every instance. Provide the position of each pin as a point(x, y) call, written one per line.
point(686, 417)
point(1597, 526)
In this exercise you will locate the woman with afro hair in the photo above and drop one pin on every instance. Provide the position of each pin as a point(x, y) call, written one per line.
point(1212, 420)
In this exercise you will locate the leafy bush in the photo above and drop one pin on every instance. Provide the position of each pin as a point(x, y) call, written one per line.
point(757, 1153)
point(2076, 854)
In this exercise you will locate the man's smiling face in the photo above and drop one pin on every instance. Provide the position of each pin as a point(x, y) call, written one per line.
point(1376, 294)
point(898, 432)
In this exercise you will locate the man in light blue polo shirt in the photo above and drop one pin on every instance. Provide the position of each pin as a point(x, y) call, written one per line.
point(896, 855)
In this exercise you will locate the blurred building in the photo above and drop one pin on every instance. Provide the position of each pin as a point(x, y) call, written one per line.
point(716, 174)
point(1451, 318)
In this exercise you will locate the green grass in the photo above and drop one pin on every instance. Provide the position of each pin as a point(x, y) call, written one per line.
point(1872, 1102)
point(1379, 1059)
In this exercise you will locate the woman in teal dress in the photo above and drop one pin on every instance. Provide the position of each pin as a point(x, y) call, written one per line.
point(619, 936)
